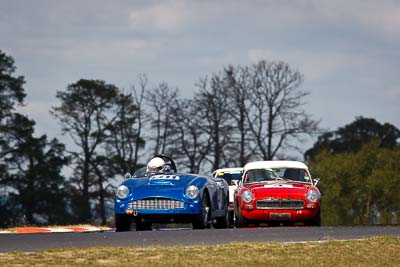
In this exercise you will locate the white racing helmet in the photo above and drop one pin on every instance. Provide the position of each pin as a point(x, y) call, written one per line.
point(156, 165)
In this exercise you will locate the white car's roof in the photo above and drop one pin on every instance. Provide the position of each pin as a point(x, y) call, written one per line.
point(229, 170)
point(271, 164)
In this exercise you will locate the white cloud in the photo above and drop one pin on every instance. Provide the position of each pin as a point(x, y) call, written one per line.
point(378, 16)
point(371, 16)
point(166, 16)
point(341, 46)
point(315, 66)
point(256, 55)
point(105, 52)
point(320, 66)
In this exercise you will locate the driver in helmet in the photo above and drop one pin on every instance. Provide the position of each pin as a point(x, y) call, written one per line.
point(156, 166)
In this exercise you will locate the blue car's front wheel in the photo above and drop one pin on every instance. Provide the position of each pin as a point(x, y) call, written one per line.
point(122, 222)
point(201, 221)
point(143, 225)
point(224, 221)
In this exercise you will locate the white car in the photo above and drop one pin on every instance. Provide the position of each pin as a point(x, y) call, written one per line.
point(232, 176)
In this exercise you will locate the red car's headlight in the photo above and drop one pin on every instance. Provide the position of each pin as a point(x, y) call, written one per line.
point(247, 196)
point(313, 195)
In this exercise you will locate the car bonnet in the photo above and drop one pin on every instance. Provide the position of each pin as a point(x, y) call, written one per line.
point(278, 189)
point(160, 185)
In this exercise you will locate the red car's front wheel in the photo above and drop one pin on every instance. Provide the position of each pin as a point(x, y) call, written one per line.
point(240, 220)
point(316, 220)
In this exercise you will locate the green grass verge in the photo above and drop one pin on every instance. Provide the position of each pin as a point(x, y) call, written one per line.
point(14, 229)
point(379, 251)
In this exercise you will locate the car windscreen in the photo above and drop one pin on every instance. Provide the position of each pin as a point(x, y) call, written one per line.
point(140, 172)
point(294, 174)
point(259, 175)
point(229, 177)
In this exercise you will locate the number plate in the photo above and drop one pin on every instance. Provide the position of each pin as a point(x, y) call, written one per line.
point(279, 216)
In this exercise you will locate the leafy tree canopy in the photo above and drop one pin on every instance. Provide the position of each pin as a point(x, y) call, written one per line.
point(11, 87)
point(35, 185)
point(361, 187)
point(353, 136)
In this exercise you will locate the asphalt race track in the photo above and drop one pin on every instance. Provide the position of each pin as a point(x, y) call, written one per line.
point(185, 237)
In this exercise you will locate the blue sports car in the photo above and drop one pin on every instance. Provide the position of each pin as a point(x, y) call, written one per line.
point(159, 194)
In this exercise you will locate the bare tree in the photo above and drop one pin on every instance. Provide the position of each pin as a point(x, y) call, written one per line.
point(276, 116)
point(192, 144)
point(239, 85)
point(124, 138)
point(160, 101)
point(138, 98)
point(212, 103)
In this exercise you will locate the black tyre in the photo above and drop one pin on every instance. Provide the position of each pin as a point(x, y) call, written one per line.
point(274, 223)
point(231, 218)
point(240, 220)
point(315, 221)
point(143, 226)
point(122, 222)
point(224, 221)
point(201, 221)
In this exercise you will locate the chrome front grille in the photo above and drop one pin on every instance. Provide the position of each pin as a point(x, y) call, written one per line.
point(279, 204)
point(157, 204)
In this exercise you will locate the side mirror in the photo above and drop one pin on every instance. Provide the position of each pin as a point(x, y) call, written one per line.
point(128, 176)
point(316, 180)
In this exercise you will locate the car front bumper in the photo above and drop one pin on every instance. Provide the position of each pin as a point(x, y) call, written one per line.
point(279, 214)
point(161, 207)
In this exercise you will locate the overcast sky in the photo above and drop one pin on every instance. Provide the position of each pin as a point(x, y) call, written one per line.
point(348, 51)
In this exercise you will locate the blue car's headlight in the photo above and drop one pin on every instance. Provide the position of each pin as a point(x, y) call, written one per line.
point(122, 191)
point(192, 192)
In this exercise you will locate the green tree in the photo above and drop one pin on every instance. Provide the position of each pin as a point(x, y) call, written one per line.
point(31, 186)
point(353, 136)
point(121, 145)
point(37, 192)
point(89, 110)
point(360, 187)
point(11, 93)
point(11, 87)
point(384, 180)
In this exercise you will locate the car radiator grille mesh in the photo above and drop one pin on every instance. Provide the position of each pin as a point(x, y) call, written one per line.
point(157, 204)
point(280, 204)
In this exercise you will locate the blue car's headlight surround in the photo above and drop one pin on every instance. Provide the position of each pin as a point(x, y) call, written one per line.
point(122, 191)
point(192, 191)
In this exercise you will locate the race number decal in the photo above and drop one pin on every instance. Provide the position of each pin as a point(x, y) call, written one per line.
point(165, 177)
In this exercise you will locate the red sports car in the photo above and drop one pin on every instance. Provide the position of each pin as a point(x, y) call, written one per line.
point(276, 192)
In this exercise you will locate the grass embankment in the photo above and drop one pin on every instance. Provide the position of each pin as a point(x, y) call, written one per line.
point(16, 229)
point(380, 251)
